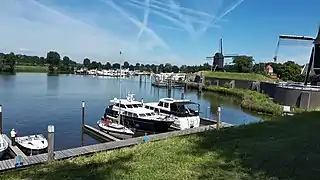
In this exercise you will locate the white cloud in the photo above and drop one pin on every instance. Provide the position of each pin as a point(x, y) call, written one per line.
point(35, 27)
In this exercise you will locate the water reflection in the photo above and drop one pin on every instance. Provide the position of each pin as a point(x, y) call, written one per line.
point(52, 84)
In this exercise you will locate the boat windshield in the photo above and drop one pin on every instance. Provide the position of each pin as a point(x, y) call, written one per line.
point(185, 109)
point(137, 105)
point(142, 115)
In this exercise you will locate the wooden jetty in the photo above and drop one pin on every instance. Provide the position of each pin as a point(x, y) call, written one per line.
point(13, 150)
point(100, 134)
point(87, 150)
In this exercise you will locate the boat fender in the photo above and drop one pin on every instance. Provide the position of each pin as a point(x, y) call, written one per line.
point(145, 138)
point(19, 163)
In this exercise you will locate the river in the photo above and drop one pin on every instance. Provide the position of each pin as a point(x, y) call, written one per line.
point(31, 101)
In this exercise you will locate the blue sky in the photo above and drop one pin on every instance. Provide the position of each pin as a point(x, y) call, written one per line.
point(156, 31)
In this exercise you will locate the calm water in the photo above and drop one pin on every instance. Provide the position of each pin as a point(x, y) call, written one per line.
point(31, 101)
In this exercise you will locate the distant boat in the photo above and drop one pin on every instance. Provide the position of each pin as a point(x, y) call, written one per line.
point(3, 146)
point(33, 144)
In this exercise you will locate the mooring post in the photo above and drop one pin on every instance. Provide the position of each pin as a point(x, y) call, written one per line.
point(0, 119)
point(182, 93)
point(50, 142)
point(83, 105)
point(218, 117)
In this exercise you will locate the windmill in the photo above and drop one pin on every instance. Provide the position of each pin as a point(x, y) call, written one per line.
point(314, 61)
point(218, 58)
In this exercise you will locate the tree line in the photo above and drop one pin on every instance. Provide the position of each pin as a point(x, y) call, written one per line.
point(285, 71)
point(53, 61)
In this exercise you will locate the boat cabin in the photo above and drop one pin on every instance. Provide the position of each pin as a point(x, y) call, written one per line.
point(139, 113)
point(180, 108)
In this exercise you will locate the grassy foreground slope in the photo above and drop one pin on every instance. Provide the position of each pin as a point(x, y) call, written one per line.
point(283, 148)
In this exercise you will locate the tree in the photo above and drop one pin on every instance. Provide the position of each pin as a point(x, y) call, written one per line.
point(137, 67)
point(108, 66)
point(125, 65)
point(65, 61)
point(86, 62)
point(116, 66)
point(243, 64)
point(53, 58)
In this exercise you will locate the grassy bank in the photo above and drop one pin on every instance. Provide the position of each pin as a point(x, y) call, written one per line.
point(240, 76)
point(40, 69)
point(286, 148)
point(251, 100)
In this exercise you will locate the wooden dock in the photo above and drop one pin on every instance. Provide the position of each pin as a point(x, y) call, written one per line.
point(206, 121)
point(13, 150)
point(100, 134)
point(86, 150)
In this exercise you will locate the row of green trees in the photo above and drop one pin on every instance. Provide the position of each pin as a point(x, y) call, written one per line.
point(243, 64)
point(285, 71)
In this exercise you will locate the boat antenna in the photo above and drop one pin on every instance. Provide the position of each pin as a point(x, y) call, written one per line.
point(119, 119)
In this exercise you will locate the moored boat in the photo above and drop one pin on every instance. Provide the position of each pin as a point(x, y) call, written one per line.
point(33, 144)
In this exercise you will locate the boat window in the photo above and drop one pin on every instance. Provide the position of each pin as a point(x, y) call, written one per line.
point(149, 114)
point(139, 105)
point(153, 114)
point(129, 106)
point(142, 115)
point(160, 103)
point(117, 104)
point(122, 106)
point(135, 105)
point(129, 114)
point(166, 105)
point(135, 115)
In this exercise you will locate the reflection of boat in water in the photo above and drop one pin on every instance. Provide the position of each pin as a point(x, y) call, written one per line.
point(134, 115)
point(185, 116)
point(114, 129)
point(3, 146)
point(33, 144)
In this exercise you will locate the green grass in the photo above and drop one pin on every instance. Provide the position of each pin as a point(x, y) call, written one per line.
point(239, 76)
point(251, 100)
point(40, 69)
point(282, 148)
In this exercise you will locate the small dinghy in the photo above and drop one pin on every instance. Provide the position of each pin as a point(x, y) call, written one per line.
point(33, 144)
point(3, 146)
point(114, 128)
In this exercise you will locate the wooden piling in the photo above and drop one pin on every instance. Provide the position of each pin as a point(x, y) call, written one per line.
point(169, 86)
point(83, 105)
point(218, 117)
point(182, 93)
point(0, 119)
point(50, 142)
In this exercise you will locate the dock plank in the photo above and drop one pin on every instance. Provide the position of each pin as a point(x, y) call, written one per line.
point(14, 149)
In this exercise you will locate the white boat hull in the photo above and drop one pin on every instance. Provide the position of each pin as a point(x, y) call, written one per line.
point(121, 130)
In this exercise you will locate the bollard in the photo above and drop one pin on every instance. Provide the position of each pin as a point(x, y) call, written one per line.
point(145, 138)
point(218, 117)
point(0, 119)
point(19, 163)
point(83, 105)
point(50, 142)
point(182, 93)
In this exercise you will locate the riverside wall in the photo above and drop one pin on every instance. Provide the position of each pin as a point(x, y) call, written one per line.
point(295, 96)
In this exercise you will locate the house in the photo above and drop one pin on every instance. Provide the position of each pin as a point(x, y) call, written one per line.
point(269, 69)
